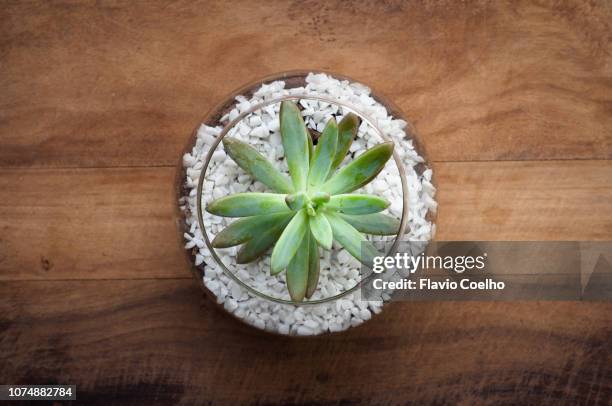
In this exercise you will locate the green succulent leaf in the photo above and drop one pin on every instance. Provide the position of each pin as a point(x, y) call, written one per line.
point(248, 204)
point(242, 230)
point(319, 198)
point(298, 270)
point(313, 267)
point(357, 204)
point(295, 143)
point(376, 224)
point(257, 246)
point(257, 165)
point(297, 200)
point(360, 171)
point(352, 240)
point(347, 129)
point(321, 230)
point(324, 153)
point(289, 242)
point(310, 146)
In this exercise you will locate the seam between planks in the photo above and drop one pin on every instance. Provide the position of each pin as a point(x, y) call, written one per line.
point(12, 168)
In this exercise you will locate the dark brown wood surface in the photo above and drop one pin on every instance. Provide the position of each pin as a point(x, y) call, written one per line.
point(511, 99)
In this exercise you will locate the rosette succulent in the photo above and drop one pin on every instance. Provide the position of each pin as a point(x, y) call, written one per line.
point(309, 209)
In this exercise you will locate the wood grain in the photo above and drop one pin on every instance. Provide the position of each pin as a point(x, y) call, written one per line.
point(90, 84)
point(511, 99)
point(523, 201)
point(148, 342)
point(124, 225)
point(89, 223)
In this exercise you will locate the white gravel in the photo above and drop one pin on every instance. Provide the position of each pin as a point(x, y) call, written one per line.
point(339, 270)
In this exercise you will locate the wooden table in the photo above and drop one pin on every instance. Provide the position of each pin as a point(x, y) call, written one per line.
point(512, 100)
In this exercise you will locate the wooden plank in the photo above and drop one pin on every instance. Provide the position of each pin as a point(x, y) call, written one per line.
point(89, 223)
point(160, 342)
point(120, 223)
point(489, 81)
point(523, 201)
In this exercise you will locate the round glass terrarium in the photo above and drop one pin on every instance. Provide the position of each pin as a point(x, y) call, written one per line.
point(232, 124)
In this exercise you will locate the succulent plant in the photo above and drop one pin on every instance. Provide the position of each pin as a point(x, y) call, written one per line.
point(311, 208)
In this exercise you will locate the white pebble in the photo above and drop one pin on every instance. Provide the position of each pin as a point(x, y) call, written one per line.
point(260, 132)
point(311, 324)
point(304, 331)
point(230, 305)
point(283, 328)
point(218, 156)
point(260, 324)
point(365, 314)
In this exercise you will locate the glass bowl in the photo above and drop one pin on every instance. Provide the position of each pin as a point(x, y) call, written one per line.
point(292, 79)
